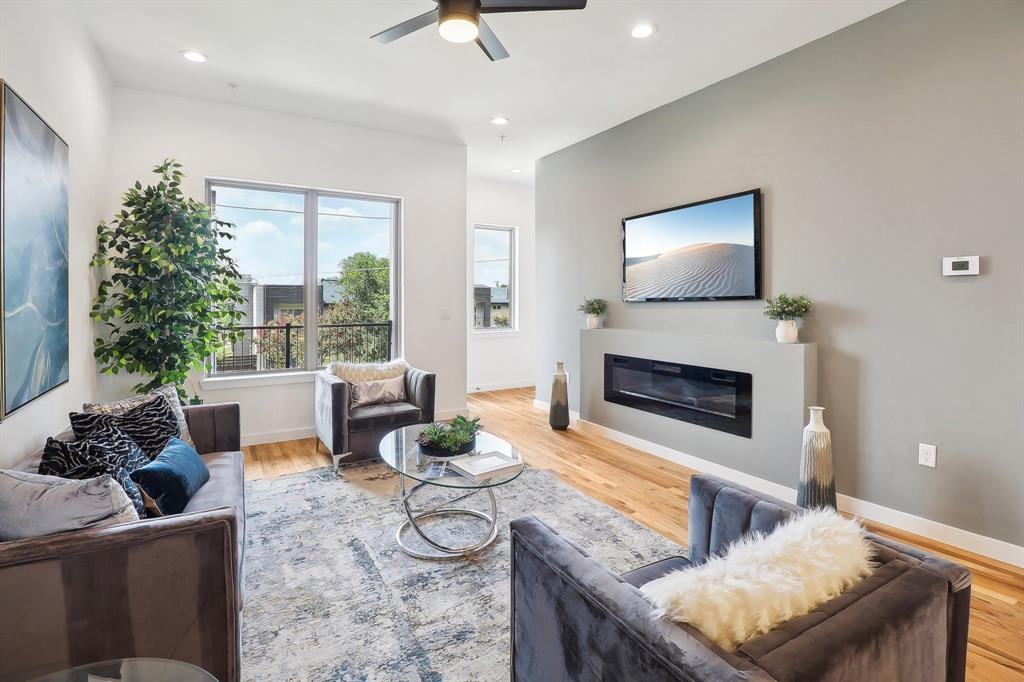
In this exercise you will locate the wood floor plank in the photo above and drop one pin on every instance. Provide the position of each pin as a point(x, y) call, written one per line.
point(655, 493)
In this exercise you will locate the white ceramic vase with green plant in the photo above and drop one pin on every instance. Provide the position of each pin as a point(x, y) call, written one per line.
point(787, 309)
point(593, 308)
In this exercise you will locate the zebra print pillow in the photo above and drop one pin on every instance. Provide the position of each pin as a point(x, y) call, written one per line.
point(167, 392)
point(107, 450)
point(151, 425)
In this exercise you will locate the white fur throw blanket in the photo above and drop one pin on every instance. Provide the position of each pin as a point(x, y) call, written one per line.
point(354, 372)
point(764, 580)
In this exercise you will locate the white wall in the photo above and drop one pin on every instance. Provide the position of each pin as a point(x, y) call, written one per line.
point(220, 140)
point(503, 359)
point(47, 58)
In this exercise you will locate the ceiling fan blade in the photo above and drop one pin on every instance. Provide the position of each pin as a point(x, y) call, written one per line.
point(406, 27)
point(490, 44)
point(495, 6)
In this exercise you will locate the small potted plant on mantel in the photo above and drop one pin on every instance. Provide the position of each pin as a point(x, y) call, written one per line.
point(786, 309)
point(450, 438)
point(593, 308)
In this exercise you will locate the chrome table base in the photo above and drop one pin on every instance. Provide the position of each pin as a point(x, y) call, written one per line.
point(445, 552)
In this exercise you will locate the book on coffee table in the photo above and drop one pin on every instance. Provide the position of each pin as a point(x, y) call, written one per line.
point(479, 467)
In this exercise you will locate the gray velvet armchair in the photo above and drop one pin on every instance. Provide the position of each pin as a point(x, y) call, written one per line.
point(354, 433)
point(574, 620)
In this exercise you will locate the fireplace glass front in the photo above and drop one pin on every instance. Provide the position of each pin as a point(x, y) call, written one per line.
point(714, 398)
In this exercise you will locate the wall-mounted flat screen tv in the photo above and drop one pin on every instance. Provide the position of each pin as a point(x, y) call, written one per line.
point(706, 251)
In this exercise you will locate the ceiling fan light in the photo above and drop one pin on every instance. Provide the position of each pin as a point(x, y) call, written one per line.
point(458, 28)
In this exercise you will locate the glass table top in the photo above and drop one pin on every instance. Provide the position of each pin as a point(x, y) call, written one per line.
point(132, 670)
point(401, 452)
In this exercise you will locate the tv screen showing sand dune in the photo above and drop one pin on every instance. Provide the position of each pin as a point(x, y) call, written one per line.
point(700, 251)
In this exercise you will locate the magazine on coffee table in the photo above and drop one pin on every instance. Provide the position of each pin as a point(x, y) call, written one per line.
point(479, 467)
point(441, 469)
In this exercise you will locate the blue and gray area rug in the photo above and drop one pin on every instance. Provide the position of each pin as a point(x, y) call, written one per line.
point(329, 596)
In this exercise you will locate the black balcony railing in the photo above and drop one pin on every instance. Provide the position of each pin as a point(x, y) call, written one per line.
point(268, 348)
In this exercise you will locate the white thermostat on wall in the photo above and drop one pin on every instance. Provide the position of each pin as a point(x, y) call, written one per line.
point(960, 265)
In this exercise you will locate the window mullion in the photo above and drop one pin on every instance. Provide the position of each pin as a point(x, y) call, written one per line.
point(312, 359)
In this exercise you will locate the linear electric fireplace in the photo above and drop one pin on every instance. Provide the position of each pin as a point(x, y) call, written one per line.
point(715, 398)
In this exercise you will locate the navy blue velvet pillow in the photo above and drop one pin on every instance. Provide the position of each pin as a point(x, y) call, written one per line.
point(171, 479)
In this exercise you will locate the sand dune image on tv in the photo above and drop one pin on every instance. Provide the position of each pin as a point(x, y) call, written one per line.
point(707, 250)
point(695, 271)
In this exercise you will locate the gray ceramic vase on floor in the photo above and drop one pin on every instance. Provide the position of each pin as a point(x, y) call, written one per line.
point(558, 412)
point(817, 477)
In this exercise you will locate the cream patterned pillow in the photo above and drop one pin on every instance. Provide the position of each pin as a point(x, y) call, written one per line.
point(379, 391)
point(353, 372)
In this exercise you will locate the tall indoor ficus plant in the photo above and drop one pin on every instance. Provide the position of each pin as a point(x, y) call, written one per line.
point(169, 292)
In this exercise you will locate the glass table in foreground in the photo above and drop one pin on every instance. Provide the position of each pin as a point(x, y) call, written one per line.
point(400, 451)
point(131, 670)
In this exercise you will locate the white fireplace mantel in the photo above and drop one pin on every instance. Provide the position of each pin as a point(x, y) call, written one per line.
point(784, 384)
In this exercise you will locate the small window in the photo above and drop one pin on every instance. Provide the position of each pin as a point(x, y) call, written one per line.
point(494, 251)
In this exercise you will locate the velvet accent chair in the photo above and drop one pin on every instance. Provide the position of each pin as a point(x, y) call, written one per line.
point(353, 434)
point(575, 620)
point(167, 587)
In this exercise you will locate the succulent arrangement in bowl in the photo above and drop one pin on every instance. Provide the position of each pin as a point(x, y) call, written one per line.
point(449, 438)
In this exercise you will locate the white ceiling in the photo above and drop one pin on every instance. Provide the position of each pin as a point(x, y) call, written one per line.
point(571, 74)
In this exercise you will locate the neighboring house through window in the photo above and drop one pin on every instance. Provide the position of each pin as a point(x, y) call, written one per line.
point(302, 250)
point(494, 249)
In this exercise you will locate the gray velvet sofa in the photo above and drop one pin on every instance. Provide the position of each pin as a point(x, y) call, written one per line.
point(167, 587)
point(573, 619)
point(354, 433)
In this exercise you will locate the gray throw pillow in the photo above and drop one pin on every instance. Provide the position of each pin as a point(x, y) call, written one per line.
point(168, 393)
point(380, 391)
point(33, 504)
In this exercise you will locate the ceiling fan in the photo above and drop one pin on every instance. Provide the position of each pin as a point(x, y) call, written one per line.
point(459, 21)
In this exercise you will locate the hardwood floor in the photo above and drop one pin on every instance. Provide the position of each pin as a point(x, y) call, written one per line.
point(654, 492)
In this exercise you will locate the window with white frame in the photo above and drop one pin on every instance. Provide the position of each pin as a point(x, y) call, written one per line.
point(494, 269)
point(318, 275)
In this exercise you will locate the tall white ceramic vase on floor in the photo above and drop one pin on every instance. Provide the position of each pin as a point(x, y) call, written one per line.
point(817, 477)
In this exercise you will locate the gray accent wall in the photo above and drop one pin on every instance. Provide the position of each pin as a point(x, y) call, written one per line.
point(880, 149)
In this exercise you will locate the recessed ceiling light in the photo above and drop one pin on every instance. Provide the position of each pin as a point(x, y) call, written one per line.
point(516, 170)
point(642, 31)
point(195, 56)
point(501, 120)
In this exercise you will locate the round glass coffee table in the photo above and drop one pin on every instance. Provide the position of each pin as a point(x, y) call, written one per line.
point(132, 670)
point(399, 450)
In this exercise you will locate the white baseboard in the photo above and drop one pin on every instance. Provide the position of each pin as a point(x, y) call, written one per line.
point(277, 436)
point(310, 431)
point(448, 414)
point(951, 535)
point(500, 386)
point(574, 416)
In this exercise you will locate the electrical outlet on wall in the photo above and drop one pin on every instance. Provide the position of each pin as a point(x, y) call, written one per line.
point(926, 455)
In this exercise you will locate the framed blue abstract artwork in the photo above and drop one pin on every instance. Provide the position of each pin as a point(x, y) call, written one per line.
point(33, 254)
